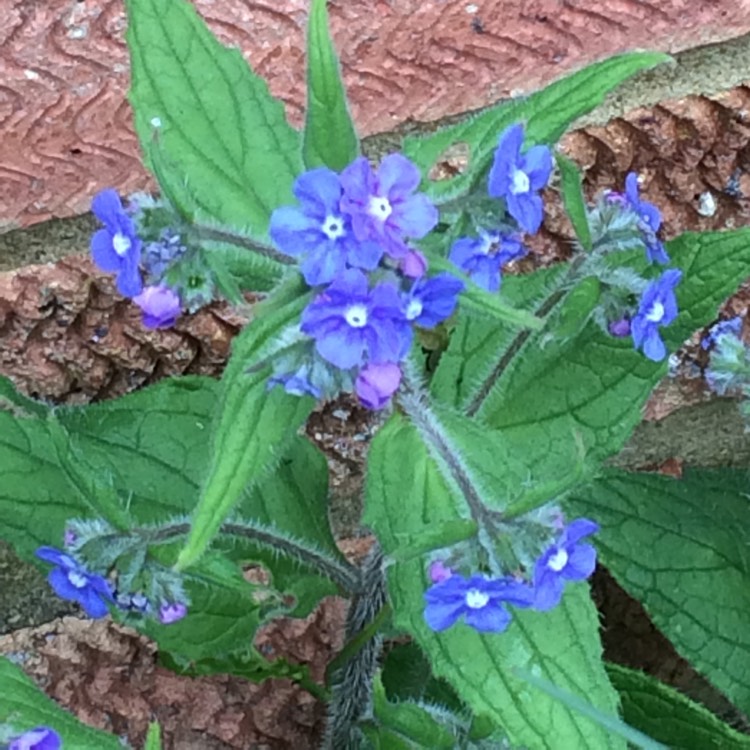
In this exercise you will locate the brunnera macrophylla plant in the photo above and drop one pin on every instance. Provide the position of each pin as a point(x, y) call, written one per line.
point(498, 398)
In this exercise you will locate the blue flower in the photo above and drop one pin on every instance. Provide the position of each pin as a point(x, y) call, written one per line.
point(658, 307)
point(297, 383)
point(41, 738)
point(518, 178)
point(351, 323)
point(732, 325)
point(170, 612)
point(70, 580)
point(117, 247)
point(382, 207)
point(482, 258)
point(431, 301)
point(649, 221)
point(319, 231)
point(566, 560)
point(479, 600)
point(160, 306)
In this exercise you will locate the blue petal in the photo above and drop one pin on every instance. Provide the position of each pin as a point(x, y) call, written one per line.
point(293, 232)
point(107, 207)
point(577, 530)
point(103, 252)
point(464, 249)
point(507, 155)
point(639, 329)
point(538, 166)
point(61, 585)
point(548, 590)
point(581, 563)
point(656, 252)
point(653, 346)
point(342, 346)
point(364, 255)
point(493, 618)
point(415, 216)
point(129, 282)
point(319, 192)
point(323, 264)
point(358, 183)
point(397, 176)
point(440, 615)
point(56, 557)
point(527, 209)
point(92, 603)
point(486, 274)
point(650, 214)
point(631, 190)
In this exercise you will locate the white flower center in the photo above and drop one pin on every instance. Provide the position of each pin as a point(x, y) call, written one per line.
point(558, 561)
point(333, 227)
point(78, 580)
point(121, 244)
point(476, 599)
point(414, 309)
point(646, 219)
point(356, 316)
point(379, 207)
point(656, 313)
point(520, 182)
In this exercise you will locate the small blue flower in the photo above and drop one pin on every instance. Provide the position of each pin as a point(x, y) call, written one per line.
point(382, 205)
point(483, 258)
point(117, 247)
point(566, 560)
point(649, 221)
point(431, 301)
point(296, 383)
point(518, 178)
point(658, 307)
point(319, 231)
point(732, 325)
point(479, 600)
point(351, 323)
point(41, 738)
point(70, 580)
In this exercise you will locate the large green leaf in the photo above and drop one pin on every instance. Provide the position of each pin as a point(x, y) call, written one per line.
point(682, 548)
point(24, 706)
point(406, 493)
point(210, 117)
point(330, 138)
point(547, 114)
point(667, 715)
point(254, 424)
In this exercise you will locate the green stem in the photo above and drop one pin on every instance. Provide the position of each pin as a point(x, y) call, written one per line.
point(230, 237)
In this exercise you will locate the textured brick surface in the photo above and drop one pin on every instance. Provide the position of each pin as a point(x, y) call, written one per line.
point(65, 122)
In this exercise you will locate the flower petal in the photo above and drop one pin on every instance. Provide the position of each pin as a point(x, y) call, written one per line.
point(548, 590)
point(319, 192)
point(56, 557)
point(415, 216)
point(577, 530)
point(492, 618)
point(440, 615)
point(107, 207)
point(653, 346)
point(538, 166)
point(581, 563)
point(103, 253)
point(397, 176)
point(527, 209)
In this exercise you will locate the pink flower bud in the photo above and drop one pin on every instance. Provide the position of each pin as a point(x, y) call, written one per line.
point(377, 383)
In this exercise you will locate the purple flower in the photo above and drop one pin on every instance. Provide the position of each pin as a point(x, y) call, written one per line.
point(116, 248)
point(620, 328)
point(658, 307)
point(479, 600)
point(41, 738)
point(319, 231)
point(649, 220)
point(566, 560)
point(70, 580)
point(351, 322)
point(431, 301)
point(518, 178)
point(382, 207)
point(413, 265)
point(376, 384)
point(482, 258)
point(170, 612)
point(732, 325)
point(160, 305)
point(439, 572)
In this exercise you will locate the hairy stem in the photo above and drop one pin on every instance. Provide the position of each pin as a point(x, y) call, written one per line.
point(352, 691)
point(521, 338)
point(344, 575)
point(204, 232)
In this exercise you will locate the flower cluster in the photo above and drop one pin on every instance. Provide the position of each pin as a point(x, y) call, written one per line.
point(516, 178)
point(72, 580)
point(40, 738)
point(482, 601)
point(117, 248)
point(350, 232)
point(729, 365)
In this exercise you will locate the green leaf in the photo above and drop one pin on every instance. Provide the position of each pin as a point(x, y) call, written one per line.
point(330, 138)
point(406, 493)
point(667, 715)
point(153, 738)
point(24, 706)
point(547, 113)
point(681, 547)
point(254, 424)
point(575, 203)
point(215, 120)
